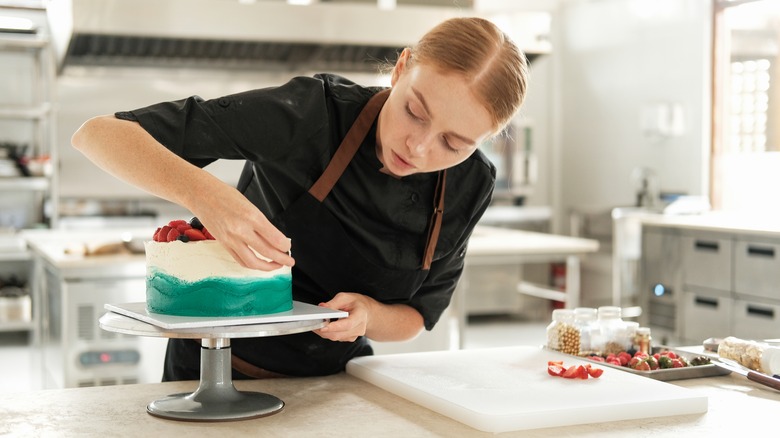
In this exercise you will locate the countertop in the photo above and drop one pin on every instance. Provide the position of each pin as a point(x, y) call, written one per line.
point(64, 249)
point(342, 405)
point(750, 224)
point(487, 240)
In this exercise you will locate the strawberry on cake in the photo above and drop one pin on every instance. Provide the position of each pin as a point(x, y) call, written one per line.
point(189, 273)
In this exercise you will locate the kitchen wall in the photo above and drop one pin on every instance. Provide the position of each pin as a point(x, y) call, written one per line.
point(85, 93)
point(614, 65)
point(618, 64)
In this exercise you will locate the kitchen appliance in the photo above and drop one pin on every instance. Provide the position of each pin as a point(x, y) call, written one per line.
point(505, 389)
point(661, 283)
point(259, 35)
point(76, 353)
point(515, 160)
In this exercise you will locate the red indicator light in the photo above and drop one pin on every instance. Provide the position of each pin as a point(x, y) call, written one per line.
point(105, 357)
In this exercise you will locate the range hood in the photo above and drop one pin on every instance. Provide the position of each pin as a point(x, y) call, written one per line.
point(257, 35)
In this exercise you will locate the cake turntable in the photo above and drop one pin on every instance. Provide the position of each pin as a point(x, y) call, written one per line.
point(215, 399)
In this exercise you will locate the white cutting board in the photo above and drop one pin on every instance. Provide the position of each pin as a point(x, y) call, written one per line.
point(506, 389)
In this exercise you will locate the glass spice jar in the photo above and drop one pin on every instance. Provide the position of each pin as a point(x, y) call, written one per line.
point(643, 340)
point(612, 329)
point(562, 335)
point(585, 320)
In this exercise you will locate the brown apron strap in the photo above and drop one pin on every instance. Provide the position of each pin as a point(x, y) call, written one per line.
point(346, 151)
point(434, 227)
point(250, 370)
point(349, 146)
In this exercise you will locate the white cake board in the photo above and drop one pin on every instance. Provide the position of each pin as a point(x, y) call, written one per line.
point(300, 311)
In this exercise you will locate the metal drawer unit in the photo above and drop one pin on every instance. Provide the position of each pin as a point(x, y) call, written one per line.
point(756, 320)
point(660, 279)
point(707, 261)
point(757, 269)
point(706, 315)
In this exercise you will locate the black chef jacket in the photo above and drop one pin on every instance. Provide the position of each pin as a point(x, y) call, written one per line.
point(287, 136)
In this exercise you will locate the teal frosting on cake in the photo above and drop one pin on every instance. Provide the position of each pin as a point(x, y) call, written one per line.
point(218, 296)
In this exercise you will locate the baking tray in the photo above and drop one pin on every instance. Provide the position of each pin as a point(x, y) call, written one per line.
point(667, 374)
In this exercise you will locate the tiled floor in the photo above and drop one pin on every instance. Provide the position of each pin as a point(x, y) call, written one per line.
point(20, 365)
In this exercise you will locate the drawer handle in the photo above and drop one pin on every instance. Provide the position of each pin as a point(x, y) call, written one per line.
point(707, 301)
point(761, 252)
point(706, 246)
point(761, 311)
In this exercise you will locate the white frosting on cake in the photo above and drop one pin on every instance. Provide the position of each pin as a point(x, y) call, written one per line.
point(193, 261)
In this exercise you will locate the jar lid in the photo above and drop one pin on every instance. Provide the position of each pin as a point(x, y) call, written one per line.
point(770, 360)
point(561, 314)
point(609, 312)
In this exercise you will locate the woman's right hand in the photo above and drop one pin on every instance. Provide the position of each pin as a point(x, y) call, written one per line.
point(242, 228)
point(128, 152)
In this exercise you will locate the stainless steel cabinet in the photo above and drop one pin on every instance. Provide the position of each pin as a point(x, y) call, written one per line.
point(757, 269)
point(706, 316)
point(660, 279)
point(707, 261)
point(720, 283)
point(756, 319)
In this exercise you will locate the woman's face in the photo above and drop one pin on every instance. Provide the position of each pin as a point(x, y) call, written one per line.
point(431, 121)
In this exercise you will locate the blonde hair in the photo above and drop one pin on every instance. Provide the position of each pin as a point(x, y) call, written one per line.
point(485, 56)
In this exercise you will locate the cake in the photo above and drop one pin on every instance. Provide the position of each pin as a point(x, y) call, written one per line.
point(189, 273)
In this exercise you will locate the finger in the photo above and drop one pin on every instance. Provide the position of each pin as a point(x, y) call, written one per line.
point(249, 259)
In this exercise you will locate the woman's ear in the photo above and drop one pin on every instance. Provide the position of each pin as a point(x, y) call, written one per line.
point(400, 65)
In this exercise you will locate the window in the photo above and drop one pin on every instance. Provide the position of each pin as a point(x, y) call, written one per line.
point(746, 112)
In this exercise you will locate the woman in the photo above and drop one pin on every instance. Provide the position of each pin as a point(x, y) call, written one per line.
point(377, 219)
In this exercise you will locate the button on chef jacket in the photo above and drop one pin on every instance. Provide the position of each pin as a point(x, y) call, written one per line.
point(287, 135)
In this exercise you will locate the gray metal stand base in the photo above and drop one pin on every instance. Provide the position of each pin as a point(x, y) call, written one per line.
point(216, 399)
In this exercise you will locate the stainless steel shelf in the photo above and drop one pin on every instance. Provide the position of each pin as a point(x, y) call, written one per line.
point(25, 113)
point(22, 41)
point(14, 256)
point(33, 183)
point(15, 326)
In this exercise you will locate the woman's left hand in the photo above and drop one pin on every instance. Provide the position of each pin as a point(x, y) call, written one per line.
point(368, 317)
point(350, 328)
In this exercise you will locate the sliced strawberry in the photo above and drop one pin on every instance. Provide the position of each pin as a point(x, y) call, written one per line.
point(173, 234)
point(573, 372)
point(183, 227)
point(555, 370)
point(162, 236)
point(194, 234)
point(156, 234)
point(174, 223)
point(595, 372)
point(207, 234)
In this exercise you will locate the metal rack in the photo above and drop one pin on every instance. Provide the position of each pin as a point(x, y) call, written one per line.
point(29, 199)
